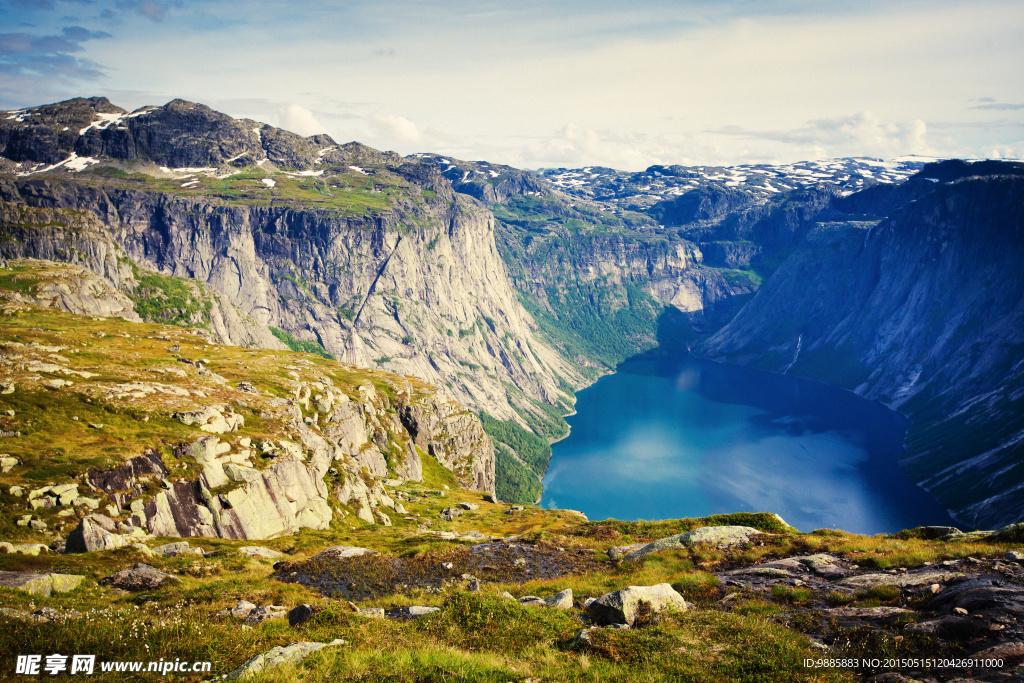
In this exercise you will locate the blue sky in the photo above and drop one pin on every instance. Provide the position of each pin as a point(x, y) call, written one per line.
point(553, 83)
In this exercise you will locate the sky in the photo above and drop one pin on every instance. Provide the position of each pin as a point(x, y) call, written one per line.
point(552, 83)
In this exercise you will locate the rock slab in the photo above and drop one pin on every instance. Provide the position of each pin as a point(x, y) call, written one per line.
point(622, 606)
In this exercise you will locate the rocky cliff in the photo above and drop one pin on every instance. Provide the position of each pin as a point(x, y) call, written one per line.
point(167, 432)
point(372, 258)
point(922, 310)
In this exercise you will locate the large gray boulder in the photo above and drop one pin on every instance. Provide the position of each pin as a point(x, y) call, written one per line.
point(277, 656)
point(718, 536)
point(139, 577)
point(95, 532)
point(40, 584)
point(621, 607)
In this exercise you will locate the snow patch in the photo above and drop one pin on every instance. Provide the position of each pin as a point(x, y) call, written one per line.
point(358, 170)
point(103, 122)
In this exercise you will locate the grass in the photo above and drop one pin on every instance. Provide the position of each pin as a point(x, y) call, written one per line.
point(170, 300)
point(299, 345)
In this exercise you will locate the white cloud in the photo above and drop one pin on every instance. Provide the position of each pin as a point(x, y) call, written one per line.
point(395, 127)
point(298, 119)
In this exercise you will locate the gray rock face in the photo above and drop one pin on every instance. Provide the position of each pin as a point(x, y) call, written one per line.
point(277, 656)
point(560, 600)
point(621, 607)
point(40, 584)
point(903, 581)
point(95, 532)
point(719, 536)
point(359, 263)
point(139, 577)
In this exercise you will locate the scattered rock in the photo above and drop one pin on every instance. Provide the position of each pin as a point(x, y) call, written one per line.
point(40, 584)
point(240, 610)
point(616, 553)
point(261, 614)
point(301, 614)
point(560, 600)
point(582, 638)
point(260, 552)
point(342, 551)
point(719, 536)
point(449, 514)
point(916, 579)
point(621, 606)
point(176, 549)
point(248, 388)
point(139, 577)
point(23, 616)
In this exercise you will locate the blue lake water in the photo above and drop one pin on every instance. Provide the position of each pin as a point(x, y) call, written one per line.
point(672, 436)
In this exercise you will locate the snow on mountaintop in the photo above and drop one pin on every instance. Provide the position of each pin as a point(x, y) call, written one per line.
point(660, 182)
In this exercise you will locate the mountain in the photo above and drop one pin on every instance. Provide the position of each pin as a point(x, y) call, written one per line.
point(511, 289)
point(919, 306)
point(294, 241)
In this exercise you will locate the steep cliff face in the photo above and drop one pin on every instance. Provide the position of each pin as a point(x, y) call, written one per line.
point(924, 311)
point(370, 257)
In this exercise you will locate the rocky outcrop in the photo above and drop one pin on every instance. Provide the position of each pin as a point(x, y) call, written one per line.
point(40, 584)
point(277, 656)
point(241, 495)
point(623, 606)
point(717, 536)
point(139, 577)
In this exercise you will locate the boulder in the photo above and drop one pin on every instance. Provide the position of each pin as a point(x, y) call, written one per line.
point(139, 577)
point(95, 532)
point(420, 611)
point(560, 600)
point(621, 607)
point(260, 552)
point(143, 548)
point(176, 549)
point(913, 580)
point(301, 614)
point(277, 656)
point(40, 584)
point(261, 614)
point(719, 536)
point(31, 548)
point(7, 463)
point(469, 506)
point(616, 553)
point(240, 610)
point(340, 551)
point(372, 612)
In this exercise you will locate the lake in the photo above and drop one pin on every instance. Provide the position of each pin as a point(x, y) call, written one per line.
point(673, 436)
